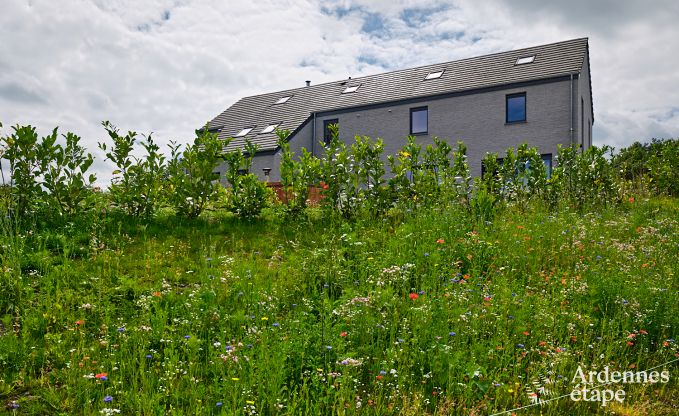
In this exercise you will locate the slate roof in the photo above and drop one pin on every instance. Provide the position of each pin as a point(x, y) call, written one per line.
point(551, 61)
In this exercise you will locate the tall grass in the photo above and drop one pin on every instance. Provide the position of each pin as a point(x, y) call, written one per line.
point(431, 313)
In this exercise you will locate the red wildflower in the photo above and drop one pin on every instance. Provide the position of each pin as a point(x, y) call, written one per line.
point(465, 277)
point(343, 334)
point(630, 343)
point(379, 377)
point(414, 296)
point(100, 375)
point(157, 294)
point(80, 322)
point(440, 241)
point(526, 333)
point(631, 200)
point(643, 332)
point(324, 185)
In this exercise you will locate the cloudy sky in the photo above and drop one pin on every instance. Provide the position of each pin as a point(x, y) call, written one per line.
point(168, 66)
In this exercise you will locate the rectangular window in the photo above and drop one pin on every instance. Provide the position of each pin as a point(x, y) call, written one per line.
point(516, 108)
point(327, 134)
point(547, 160)
point(419, 120)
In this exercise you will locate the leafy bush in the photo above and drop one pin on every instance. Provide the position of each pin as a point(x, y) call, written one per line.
point(584, 178)
point(191, 180)
point(28, 158)
point(137, 184)
point(297, 177)
point(247, 195)
point(65, 177)
point(649, 167)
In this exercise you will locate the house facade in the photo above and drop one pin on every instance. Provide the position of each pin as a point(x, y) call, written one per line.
point(539, 95)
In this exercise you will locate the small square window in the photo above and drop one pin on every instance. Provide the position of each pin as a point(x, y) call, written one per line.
point(516, 108)
point(270, 128)
point(419, 120)
point(433, 75)
point(327, 133)
point(244, 132)
point(525, 60)
point(348, 90)
point(283, 100)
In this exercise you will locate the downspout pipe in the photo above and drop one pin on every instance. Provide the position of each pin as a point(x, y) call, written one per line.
point(313, 134)
point(571, 129)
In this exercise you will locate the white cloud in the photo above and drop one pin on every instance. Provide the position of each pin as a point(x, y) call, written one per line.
point(168, 66)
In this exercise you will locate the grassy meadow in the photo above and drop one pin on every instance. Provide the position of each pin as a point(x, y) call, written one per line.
point(422, 312)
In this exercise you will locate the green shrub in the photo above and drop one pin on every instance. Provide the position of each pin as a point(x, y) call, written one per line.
point(191, 183)
point(137, 184)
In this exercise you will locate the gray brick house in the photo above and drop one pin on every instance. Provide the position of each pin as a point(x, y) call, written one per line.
point(540, 95)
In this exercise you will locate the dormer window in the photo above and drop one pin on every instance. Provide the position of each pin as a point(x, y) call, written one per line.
point(433, 75)
point(269, 128)
point(348, 90)
point(283, 100)
point(244, 132)
point(525, 60)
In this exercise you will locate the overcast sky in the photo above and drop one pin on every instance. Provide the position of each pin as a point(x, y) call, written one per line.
point(168, 66)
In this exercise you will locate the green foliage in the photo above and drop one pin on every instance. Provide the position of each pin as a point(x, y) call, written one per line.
point(137, 184)
point(585, 179)
point(297, 176)
point(65, 178)
point(191, 179)
point(28, 158)
point(247, 196)
point(649, 167)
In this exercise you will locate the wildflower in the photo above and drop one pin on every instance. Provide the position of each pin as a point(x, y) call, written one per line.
point(631, 200)
point(149, 356)
point(343, 334)
point(156, 294)
point(219, 404)
point(328, 347)
point(121, 329)
point(276, 324)
point(643, 332)
point(414, 296)
point(451, 334)
point(630, 343)
point(108, 399)
point(265, 318)
point(249, 402)
point(440, 241)
point(235, 378)
point(101, 376)
point(526, 333)
point(380, 377)
point(187, 336)
point(80, 322)
point(520, 345)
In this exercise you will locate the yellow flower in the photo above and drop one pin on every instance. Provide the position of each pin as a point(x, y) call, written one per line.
point(249, 402)
point(235, 378)
point(265, 318)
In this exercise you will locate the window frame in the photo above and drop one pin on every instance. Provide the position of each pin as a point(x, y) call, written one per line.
point(551, 163)
point(525, 107)
point(415, 110)
point(244, 132)
point(327, 137)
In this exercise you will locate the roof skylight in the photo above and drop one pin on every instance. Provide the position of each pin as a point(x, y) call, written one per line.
point(347, 90)
point(244, 132)
point(270, 128)
point(433, 75)
point(525, 60)
point(283, 100)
